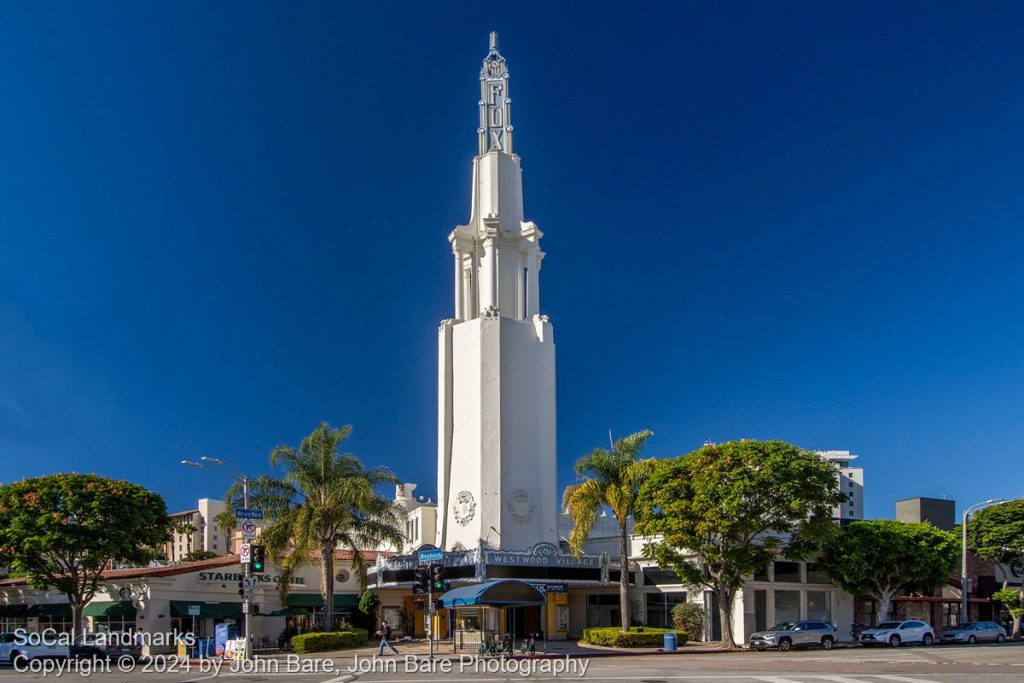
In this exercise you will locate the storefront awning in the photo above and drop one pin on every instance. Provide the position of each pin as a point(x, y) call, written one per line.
point(289, 612)
point(121, 608)
point(316, 601)
point(55, 610)
point(13, 610)
point(501, 593)
point(207, 610)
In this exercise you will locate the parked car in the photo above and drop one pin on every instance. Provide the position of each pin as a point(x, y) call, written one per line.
point(896, 633)
point(795, 634)
point(26, 646)
point(974, 632)
point(105, 645)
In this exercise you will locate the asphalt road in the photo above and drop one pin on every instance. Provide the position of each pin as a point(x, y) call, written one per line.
point(963, 664)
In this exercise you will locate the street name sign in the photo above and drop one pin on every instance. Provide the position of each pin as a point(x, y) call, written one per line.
point(242, 513)
point(194, 610)
point(428, 556)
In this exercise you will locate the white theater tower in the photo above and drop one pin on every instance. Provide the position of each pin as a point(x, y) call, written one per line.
point(496, 362)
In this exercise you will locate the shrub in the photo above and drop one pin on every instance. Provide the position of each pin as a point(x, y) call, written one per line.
point(689, 617)
point(305, 643)
point(636, 637)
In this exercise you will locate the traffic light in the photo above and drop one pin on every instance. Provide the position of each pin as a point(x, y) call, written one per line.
point(259, 557)
point(418, 605)
point(422, 580)
point(439, 604)
point(241, 588)
point(438, 578)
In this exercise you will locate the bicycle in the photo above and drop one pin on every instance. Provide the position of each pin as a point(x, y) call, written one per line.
point(496, 646)
point(528, 646)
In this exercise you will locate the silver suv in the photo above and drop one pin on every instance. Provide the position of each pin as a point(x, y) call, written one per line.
point(795, 634)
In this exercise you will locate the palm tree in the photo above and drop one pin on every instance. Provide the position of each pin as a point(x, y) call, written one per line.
point(325, 500)
point(609, 478)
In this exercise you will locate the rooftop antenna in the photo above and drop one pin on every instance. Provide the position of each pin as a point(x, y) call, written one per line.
point(494, 41)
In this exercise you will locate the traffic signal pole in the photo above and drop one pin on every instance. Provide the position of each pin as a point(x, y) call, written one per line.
point(247, 571)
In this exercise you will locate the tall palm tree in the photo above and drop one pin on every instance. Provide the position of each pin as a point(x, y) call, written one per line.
point(609, 478)
point(325, 500)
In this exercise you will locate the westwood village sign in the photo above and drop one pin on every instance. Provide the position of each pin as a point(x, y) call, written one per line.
point(541, 562)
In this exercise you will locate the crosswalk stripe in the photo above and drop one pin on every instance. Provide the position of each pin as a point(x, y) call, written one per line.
point(839, 679)
point(902, 679)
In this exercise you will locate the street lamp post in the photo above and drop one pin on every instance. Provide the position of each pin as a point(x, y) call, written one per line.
point(964, 616)
point(241, 477)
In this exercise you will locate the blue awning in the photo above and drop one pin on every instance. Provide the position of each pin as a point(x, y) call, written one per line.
point(501, 593)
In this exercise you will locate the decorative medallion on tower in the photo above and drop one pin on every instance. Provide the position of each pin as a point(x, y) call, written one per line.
point(465, 508)
point(495, 125)
point(520, 506)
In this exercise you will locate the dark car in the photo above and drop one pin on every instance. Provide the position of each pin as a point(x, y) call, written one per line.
point(104, 645)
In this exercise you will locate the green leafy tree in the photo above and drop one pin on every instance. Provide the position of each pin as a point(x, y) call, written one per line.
point(1012, 598)
point(61, 530)
point(996, 533)
point(369, 602)
point(726, 510)
point(325, 500)
point(884, 558)
point(609, 478)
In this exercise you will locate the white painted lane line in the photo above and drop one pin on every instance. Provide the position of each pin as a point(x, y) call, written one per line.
point(839, 679)
point(903, 679)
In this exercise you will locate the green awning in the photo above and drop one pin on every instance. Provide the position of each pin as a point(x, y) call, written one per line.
point(314, 600)
point(121, 608)
point(13, 610)
point(288, 612)
point(56, 610)
point(305, 600)
point(346, 600)
point(207, 610)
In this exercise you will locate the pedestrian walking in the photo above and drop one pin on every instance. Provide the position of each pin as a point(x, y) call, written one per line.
point(385, 638)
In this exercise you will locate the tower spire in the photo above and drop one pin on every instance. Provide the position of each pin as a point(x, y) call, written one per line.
point(495, 131)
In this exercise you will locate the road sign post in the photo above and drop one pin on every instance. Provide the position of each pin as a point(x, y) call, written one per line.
point(429, 557)
point(248, 518)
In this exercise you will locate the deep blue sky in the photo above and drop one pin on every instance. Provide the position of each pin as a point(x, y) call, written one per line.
point(222, 223)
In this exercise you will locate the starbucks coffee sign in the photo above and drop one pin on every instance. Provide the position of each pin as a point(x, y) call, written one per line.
point(234, 577)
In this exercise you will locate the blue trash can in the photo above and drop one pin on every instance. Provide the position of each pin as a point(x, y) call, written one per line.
point(670, 642)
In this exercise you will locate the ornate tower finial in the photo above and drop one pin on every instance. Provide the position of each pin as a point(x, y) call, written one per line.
point(495, 131)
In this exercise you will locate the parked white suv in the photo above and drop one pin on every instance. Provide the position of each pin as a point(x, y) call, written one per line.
point(25, 646)
point(896, 633)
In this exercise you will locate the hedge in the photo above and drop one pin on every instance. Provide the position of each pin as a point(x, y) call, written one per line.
point(321, 641)
point(637, 637)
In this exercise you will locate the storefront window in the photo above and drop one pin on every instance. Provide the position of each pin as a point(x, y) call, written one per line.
point(921, 611)
point(819, 606)
point(57, 624)
point(113, 624)
point(787, 606)
point(10, 624)
point(816, 574)
point(788, 572)
point(761, 574)
point(659, 608)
